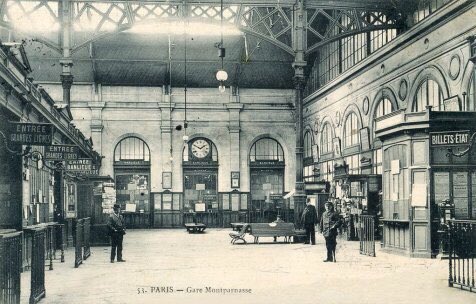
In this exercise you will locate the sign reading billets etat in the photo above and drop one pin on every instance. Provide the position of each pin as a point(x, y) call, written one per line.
point(82, 165)
point(35, 134)
point(61, 152)
point(449, 138)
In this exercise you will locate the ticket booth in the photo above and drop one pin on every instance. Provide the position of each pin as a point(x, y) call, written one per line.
point(428, 158)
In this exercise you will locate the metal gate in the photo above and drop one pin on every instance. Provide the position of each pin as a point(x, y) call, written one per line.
point(462, 252)
point(10, 255)
point(367, 235)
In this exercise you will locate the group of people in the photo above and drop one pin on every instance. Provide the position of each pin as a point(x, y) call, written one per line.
point(328, 225)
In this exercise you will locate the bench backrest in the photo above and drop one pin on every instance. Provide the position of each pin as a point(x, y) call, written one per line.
point(272, 229)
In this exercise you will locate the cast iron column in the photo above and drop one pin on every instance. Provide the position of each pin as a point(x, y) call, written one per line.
point(299, 45)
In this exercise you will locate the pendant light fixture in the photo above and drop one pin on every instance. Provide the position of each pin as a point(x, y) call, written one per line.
point(221, 75)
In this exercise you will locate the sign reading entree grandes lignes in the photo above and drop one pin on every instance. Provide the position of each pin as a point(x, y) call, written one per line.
point(27, 133)
point(449, 138)
point(61, 152)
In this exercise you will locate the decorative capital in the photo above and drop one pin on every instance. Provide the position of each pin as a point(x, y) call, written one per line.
point(66, 80)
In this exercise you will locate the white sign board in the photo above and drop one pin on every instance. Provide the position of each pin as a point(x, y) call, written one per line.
point(419, 194)
point(395, 166)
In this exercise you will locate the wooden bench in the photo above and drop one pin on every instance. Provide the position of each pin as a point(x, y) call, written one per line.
point(272, 230)
point(195, 228)
point(237, 226)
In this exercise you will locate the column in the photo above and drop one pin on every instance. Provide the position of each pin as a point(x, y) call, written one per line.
point(234, 110)
point(66, 44)
point(166, 108)
point(96, 106)
point(299, 45)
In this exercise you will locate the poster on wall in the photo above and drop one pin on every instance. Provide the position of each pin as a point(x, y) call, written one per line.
point(460, 194)
point(336, 145)
point(442, 186)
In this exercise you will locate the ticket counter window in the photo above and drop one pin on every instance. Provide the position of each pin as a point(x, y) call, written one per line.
point(132, 192)
point(267, 179)
point(200, 191)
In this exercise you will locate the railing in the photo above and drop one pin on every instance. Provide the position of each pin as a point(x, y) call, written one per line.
point(38, 235)
point(367, 235)
point(86, 238)
point(78, 242)
point(60, 238)
point(10, 266)
point(50, 241)
point(462, 252)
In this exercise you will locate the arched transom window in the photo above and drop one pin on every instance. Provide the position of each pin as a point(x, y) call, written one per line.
point(429, 93)
point(132, 148)
point(471, 99)
point(307, 144)
point(351, 130)
point(266, 149)
point(384, 107)
point(326, 139)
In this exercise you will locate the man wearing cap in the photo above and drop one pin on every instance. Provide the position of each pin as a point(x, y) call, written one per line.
point(330, 221)
point(117, 231)
point(309, 220)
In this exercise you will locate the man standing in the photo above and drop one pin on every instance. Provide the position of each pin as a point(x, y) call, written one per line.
point(330, 221)
point(309, 220)
point(117, 231)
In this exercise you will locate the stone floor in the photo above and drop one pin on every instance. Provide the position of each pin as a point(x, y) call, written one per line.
point(171, 266)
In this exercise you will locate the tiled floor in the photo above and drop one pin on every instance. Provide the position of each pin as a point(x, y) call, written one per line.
point(171, 266)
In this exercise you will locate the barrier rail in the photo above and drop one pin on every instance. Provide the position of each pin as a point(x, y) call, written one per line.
point(38, 235)
point(78, 242)
point(367, 235)
point(10, 267)
point(50, 241)
point(86, 238)
point(462, 252)
point(60, 238)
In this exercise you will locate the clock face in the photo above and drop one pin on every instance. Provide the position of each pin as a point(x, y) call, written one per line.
point(200, 148)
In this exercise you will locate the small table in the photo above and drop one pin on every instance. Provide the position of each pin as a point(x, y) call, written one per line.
point(195, 228)
point(237, 226)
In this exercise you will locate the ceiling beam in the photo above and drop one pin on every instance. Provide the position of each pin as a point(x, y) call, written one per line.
point(284, 3)
point(157, 61)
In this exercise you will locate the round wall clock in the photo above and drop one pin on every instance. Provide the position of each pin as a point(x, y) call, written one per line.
point(200, 148)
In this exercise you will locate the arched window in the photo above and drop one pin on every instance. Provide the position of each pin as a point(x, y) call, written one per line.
point(266, 180)
point(307, 144)
point(266, 149)
point(471, 99)
point(351, 130)
point(384, 107)
point(308, 172)
point(428, 94)
point(326, 139)
point(131, 148)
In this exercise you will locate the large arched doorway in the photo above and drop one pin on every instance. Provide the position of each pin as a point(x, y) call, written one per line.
point(266, 180)
point(200, 182)
point(132, 176)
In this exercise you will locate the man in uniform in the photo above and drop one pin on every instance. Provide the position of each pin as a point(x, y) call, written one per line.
point(116, 231)
point(330, 221)
point(309, 220)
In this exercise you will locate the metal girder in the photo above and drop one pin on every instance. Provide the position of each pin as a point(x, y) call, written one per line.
point(328, 25)
point(272, 21)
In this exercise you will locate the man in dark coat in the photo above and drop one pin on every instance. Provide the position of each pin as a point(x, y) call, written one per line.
point(309, 220)
point(117, 230)
point(330, 221)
